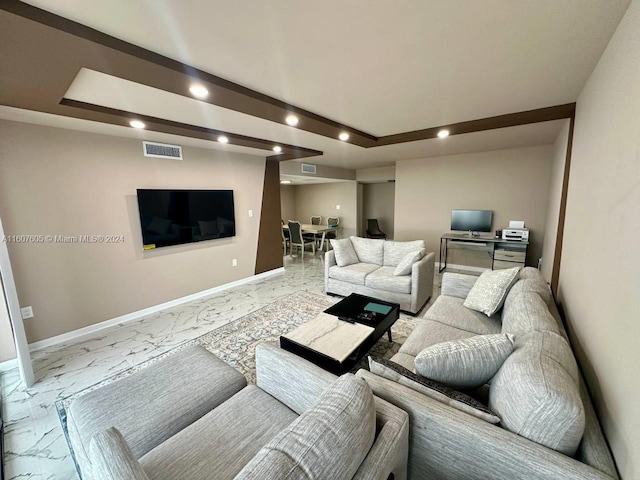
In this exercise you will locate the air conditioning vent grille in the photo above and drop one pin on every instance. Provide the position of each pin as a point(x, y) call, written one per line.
point(161, 150)
point(306, 168)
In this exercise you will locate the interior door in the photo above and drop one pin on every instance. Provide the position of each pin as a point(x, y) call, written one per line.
point(10, 299)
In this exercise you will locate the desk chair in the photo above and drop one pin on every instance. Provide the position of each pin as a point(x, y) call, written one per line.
point(373, 230)
point(297, 239)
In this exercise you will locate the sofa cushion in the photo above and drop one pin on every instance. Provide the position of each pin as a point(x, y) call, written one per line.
point(536, 392)
point(527, 314)
point(529, 285)
point(406, 264)
point(112, 459)
point(222, 442)
point(488, 293)
point(384, 279)
point(430, 332)
point(328, 441)
point(369, 250)
point(150, 406)
point(458, 400)
point(466, 363)
point(355, 273)
point(396, 251)
point(345, 254)
point(450, 310)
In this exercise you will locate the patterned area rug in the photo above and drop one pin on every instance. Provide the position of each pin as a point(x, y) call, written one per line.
point(235, 342)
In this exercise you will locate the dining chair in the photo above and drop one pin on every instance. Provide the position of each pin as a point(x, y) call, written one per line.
point(331, 222)
point(316, 220)
point(373, 229)
point(285, 240)
point(297, 239)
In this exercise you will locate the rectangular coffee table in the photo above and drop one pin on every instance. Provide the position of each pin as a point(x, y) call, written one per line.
point(340, 336)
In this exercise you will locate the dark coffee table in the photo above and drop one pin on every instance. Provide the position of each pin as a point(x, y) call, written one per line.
point(339, 337)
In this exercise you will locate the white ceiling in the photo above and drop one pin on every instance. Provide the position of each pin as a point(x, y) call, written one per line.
point(383, 67)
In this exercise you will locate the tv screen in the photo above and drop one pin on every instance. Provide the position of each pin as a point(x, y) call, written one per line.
point(471, 220)
point(173, 217)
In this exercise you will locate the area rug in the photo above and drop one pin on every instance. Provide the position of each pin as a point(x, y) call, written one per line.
point(235, 342)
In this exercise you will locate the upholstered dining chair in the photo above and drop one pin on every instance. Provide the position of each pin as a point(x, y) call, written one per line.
point(297, 239)
point(286, 239)
point(373, 229)
point(331, 222)
point(316, 220)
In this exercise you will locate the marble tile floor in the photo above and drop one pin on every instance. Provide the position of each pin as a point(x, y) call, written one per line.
point(34, 444)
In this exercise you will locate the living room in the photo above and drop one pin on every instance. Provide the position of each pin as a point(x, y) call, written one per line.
point(70, 165)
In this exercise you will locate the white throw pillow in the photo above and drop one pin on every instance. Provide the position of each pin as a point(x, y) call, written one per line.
point(490, 290)
point(404, 267)
point(344, 251)
point(467, 363)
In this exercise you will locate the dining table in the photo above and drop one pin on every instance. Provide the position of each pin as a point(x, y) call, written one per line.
point(316, 230)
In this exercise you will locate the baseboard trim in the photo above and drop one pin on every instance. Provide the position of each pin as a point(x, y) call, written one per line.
point(86, 332)
point(8, 365)
point(463, 267)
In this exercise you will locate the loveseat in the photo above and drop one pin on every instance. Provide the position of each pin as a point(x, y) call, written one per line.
point(370, 267)
point(545, 428)
point(190, 416)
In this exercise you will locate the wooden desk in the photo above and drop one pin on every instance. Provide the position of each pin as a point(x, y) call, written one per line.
point(316, 230)
point(504, 253)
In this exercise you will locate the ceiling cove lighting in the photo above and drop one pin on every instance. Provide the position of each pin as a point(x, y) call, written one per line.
point(285, 181)
point(344, 136)
point(199, 91)
point(223, 139)
point(443, 133)
point(291, 120)
point(277, 149)
point(137, 124)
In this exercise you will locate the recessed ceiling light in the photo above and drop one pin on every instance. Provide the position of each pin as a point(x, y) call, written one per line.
point(137, 124)
point(277, 149)
point(344, 136)
point(443, 133)
point(199, 91)
point(291, 120)
point(223, 139)
point(285, 181)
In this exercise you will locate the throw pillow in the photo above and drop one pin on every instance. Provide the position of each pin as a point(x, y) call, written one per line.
point(328, 441)
point(488, 293)
point(404, 267)
point(345, 254)
point(458, 400)
point(466, 363)
point(112, 459)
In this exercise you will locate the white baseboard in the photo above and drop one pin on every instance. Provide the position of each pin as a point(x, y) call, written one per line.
point(82, 333)
point(8, 365)
point(464, 267)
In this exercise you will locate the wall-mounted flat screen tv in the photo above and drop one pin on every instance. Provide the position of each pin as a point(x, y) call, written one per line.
point(471, 220)
point(173, 217)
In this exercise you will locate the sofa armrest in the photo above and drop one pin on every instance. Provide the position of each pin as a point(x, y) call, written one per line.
point(422, 281)
point(390, 450)
point(457, 284)
point(446, 443)
point(329, 261)
point(292, 380)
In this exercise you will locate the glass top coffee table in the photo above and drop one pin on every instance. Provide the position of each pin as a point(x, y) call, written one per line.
point(340, 336)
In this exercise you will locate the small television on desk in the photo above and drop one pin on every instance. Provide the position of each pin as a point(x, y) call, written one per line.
point(471, 220)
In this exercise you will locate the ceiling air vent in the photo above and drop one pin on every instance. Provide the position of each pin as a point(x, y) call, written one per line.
point(306, 168)
point(161, 150)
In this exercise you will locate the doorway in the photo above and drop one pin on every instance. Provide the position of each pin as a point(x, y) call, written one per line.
point(378, 201)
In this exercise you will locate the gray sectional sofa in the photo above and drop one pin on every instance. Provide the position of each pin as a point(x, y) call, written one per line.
point(372, 273)
point(190, 416)
point(538, 395)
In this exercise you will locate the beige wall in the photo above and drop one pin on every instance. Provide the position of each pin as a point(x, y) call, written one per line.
point(378, 201)
point(513, 183)
point(599, 284)
point(378, 174)
point(55, 181)
point(7, 346)
point(553, 207)
point(287, 202)
point(322, 198)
